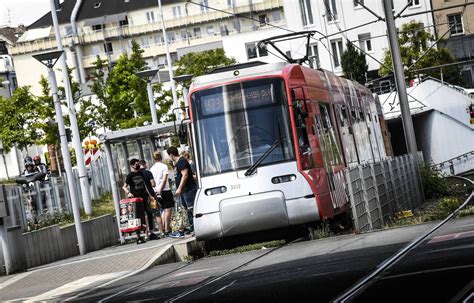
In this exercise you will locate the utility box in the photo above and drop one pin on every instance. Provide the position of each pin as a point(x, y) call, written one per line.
point(4, 212)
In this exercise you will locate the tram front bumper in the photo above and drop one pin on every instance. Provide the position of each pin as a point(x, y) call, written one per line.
point(242, 215)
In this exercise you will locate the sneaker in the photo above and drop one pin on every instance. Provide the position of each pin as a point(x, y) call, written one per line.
point(177, 234)
point(153, 236)
point(141, 241)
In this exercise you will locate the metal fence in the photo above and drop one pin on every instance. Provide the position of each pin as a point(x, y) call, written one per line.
point(53, 196)
point(378, 191)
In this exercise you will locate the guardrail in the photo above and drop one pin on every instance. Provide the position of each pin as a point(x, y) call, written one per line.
point(458, 164)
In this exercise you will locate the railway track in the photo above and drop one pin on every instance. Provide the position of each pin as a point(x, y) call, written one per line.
point(182, 295)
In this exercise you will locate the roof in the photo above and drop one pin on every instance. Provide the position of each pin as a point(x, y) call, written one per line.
point(12, 33)
point(88, 9)
point(165, 129)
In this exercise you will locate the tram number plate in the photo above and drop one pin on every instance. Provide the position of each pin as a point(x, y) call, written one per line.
point(235, 186)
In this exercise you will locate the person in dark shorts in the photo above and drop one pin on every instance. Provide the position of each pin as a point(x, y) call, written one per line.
point(163, 191)
point(186, 186)
point(150, 184)
point(135, 187)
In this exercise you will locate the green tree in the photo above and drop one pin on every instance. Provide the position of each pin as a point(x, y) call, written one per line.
point(414, 41)
point(99, 88)
point(127, 92)
point(354, 64)
point(19, 119)
point(201, 63)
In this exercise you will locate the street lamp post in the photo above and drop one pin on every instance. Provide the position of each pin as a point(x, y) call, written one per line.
point(49, 60)
point(148, 75)
point(76, 138)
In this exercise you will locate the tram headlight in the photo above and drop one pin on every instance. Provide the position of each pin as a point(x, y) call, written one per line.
point(283, 179)
point(215, 190)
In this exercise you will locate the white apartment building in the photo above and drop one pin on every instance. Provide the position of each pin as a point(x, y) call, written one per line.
point(107, 27)
point(330, 18)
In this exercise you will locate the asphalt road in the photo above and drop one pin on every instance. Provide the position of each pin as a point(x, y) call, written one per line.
point(316, 271)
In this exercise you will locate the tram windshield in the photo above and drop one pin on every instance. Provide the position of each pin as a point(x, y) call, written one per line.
point(235, 124)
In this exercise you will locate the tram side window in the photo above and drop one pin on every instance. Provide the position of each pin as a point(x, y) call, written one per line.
point(301, 116)
point(327, 137)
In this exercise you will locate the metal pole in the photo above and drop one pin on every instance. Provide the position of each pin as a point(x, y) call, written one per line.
point(113, 183)
point(151, 99)
point(140, 149)
point(67, 161)
point(5, 248)
point(76, 138)
point(400, 79)
point(168, 58)
point(126, 155)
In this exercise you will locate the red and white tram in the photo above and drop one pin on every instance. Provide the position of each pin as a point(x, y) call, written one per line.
point(271, 143)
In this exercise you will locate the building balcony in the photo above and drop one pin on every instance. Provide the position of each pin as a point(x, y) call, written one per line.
point(111, 33)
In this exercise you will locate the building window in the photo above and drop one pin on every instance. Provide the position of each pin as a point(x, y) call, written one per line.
point(123, 22)
point(455, 24)
point(413, 2)
point(68, 30)
point(97, 27)
point(158, 39)
point(171, 36)
point(210, 30)
point(108, 47)
point(254, 52)
point(357, 3)
point(184, 35)
point(365, 43)
point(262, 19)
point(276, 16)
point(313, 56)
point(197, 32)
point(224, 30)
point(337, 49)
point(144, 41)
point(176, 11)
point(204, 5)
point(236, 24)
point(331, 10)
point(306, 12)
point(150, 17)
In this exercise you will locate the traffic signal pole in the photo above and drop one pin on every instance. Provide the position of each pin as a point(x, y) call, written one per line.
point(400, 78)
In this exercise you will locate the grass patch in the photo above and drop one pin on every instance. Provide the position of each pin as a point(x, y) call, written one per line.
point(320, 231)
point(102, 206)
point(246, 248)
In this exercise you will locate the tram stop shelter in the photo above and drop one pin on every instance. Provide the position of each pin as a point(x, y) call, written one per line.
point(150, 135)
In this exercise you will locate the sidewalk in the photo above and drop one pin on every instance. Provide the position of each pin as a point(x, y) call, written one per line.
point(78, 274)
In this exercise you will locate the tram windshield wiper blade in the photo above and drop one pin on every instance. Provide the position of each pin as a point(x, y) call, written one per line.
point(254, 166)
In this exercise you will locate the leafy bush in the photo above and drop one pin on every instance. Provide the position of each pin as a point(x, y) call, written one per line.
point(445, 207)
point(434, 185)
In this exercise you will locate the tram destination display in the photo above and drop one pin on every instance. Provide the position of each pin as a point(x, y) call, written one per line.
point(235, 97)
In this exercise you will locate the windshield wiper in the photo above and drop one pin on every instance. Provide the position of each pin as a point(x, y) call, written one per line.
point(254, 166)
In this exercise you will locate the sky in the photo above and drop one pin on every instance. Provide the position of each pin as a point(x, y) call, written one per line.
point(22, 11)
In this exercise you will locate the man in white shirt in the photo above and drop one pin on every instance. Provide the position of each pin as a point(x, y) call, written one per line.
point(160, 174)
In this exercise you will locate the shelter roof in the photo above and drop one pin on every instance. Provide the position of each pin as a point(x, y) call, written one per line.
point(161, 130)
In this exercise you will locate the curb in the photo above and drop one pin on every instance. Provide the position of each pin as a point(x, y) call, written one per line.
point(171, 253)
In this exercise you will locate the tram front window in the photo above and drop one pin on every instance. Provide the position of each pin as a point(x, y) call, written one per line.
point(236, 123)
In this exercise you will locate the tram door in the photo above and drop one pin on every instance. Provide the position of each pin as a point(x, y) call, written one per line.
point(309, 149)
point(332, 156)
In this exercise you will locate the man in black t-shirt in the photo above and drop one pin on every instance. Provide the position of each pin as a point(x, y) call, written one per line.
point(135, 187)
point(186, 187)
